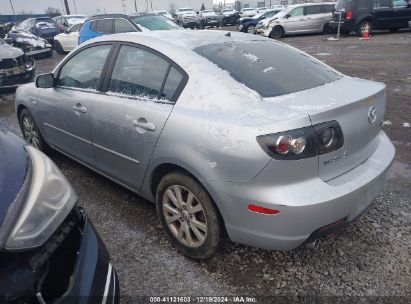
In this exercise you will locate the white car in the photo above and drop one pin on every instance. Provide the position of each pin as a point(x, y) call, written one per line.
point(67, 41)
point(262, 9)
point(248, 12)
point(66, 21)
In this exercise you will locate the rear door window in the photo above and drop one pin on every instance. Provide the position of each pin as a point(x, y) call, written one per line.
point(104, 26)
point(172, 83)
point(382, 3)
point(313, 9)
point(138, 73)
point(267, 67)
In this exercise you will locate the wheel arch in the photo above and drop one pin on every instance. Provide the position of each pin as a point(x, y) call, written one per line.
point(163, 169)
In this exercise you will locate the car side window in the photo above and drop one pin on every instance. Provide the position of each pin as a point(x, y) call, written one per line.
point(399, 3)
point(83, 70)
point(269, 14)
point(173, 81)
point(299, 11)
point(138, 73)
point(313, 9)
point(327, 8)
point(74, 28)
point(382, 3)
point(105, 26)
point(123, 26)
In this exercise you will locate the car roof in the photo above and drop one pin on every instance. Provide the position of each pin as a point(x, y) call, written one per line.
point(103, 16)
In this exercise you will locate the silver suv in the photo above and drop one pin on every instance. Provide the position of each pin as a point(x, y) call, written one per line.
point(296, 19)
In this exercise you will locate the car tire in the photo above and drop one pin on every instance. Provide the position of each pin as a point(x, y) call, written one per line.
point(31, 132)
point(327, 29)
point(277, 32)
point(250, 29)
point(59, 49)
point(361, 27)
point(196, 229)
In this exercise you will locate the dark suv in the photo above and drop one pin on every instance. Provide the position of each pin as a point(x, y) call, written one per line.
point(357, 15)
point(121, 23)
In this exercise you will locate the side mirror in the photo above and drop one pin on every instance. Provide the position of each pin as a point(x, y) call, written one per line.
point(45, 81)
point(287, 16)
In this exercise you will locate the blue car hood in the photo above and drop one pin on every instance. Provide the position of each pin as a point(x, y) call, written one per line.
point(13, 167)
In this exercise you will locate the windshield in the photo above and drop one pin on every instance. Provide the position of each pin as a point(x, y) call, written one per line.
point(155, 23)
point(271, 69)
point(186, 10)
point(248, 9)
point(208, 13)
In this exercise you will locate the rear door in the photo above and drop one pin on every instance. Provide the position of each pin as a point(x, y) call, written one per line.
point(402, 13)
point(65, 108)
point(383, 13)
point(70, 41)
point(314, 15)
point(128, 118)
point(296, 22)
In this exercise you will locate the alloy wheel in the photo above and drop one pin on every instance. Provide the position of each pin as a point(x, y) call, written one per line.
point(30, 133)
point(185, 216)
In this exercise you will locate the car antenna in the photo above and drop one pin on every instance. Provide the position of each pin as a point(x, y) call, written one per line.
point(228, 34)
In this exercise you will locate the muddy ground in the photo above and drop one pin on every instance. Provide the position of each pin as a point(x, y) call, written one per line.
point(369, 260)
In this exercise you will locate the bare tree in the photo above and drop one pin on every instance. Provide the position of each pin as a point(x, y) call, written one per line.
point(52, 11)
point(202, 7)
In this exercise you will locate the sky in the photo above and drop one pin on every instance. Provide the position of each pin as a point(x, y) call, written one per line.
point(83, 6)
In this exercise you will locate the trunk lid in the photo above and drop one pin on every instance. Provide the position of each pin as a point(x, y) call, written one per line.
point(350, 102)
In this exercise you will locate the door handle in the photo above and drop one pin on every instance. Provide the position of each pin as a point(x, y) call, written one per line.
point(143, 124)
point(79, 108)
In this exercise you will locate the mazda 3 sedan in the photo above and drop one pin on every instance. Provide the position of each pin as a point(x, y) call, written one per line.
point(228, 133)
point(49, 250)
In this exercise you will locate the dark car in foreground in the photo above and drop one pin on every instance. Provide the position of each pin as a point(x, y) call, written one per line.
point(49, 249)
point(248, 24)
point(15, 66)
point(361, 15)
point(100, 25)
point(43, 27)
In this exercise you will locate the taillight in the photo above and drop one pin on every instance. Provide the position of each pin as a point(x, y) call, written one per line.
point(303, 143)
point(348, 15)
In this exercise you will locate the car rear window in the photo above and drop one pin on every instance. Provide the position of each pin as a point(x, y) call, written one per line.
point(267, 67)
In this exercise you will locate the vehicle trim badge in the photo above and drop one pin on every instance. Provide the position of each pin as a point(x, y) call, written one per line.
point(372, 115)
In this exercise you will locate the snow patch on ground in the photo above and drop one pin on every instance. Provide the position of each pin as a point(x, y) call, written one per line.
point(268, 70)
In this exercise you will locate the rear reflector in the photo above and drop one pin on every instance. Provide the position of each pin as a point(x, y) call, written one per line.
point(262, 210)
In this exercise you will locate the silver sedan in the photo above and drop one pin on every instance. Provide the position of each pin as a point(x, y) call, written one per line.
point(227, 133)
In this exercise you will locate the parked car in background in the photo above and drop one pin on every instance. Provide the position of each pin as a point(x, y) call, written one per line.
point(248, 24)
point(298, 19)
point(248, 12)
point(100, 25)
point(49, 249)
point(15, 66)
point(278, 6)
point(208, 18)
point(229, 16)
point(43, 27)
point(261, 9)
point(30, 44)
point(186, 17)
point(226, 134)
point(67, 41)
point(66, 21)
point(165, 14)
point(359, 15)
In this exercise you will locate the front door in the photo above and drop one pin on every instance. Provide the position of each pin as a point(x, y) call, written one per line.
point(383, 13)
point(65, 109)
point(127, 120)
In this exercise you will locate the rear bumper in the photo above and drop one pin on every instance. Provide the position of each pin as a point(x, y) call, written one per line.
point(347, 25)
point(304, 206)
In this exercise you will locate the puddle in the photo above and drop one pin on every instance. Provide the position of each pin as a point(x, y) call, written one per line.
point(399, 169)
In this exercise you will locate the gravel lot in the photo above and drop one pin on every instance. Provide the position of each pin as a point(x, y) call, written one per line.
point(370, 259)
